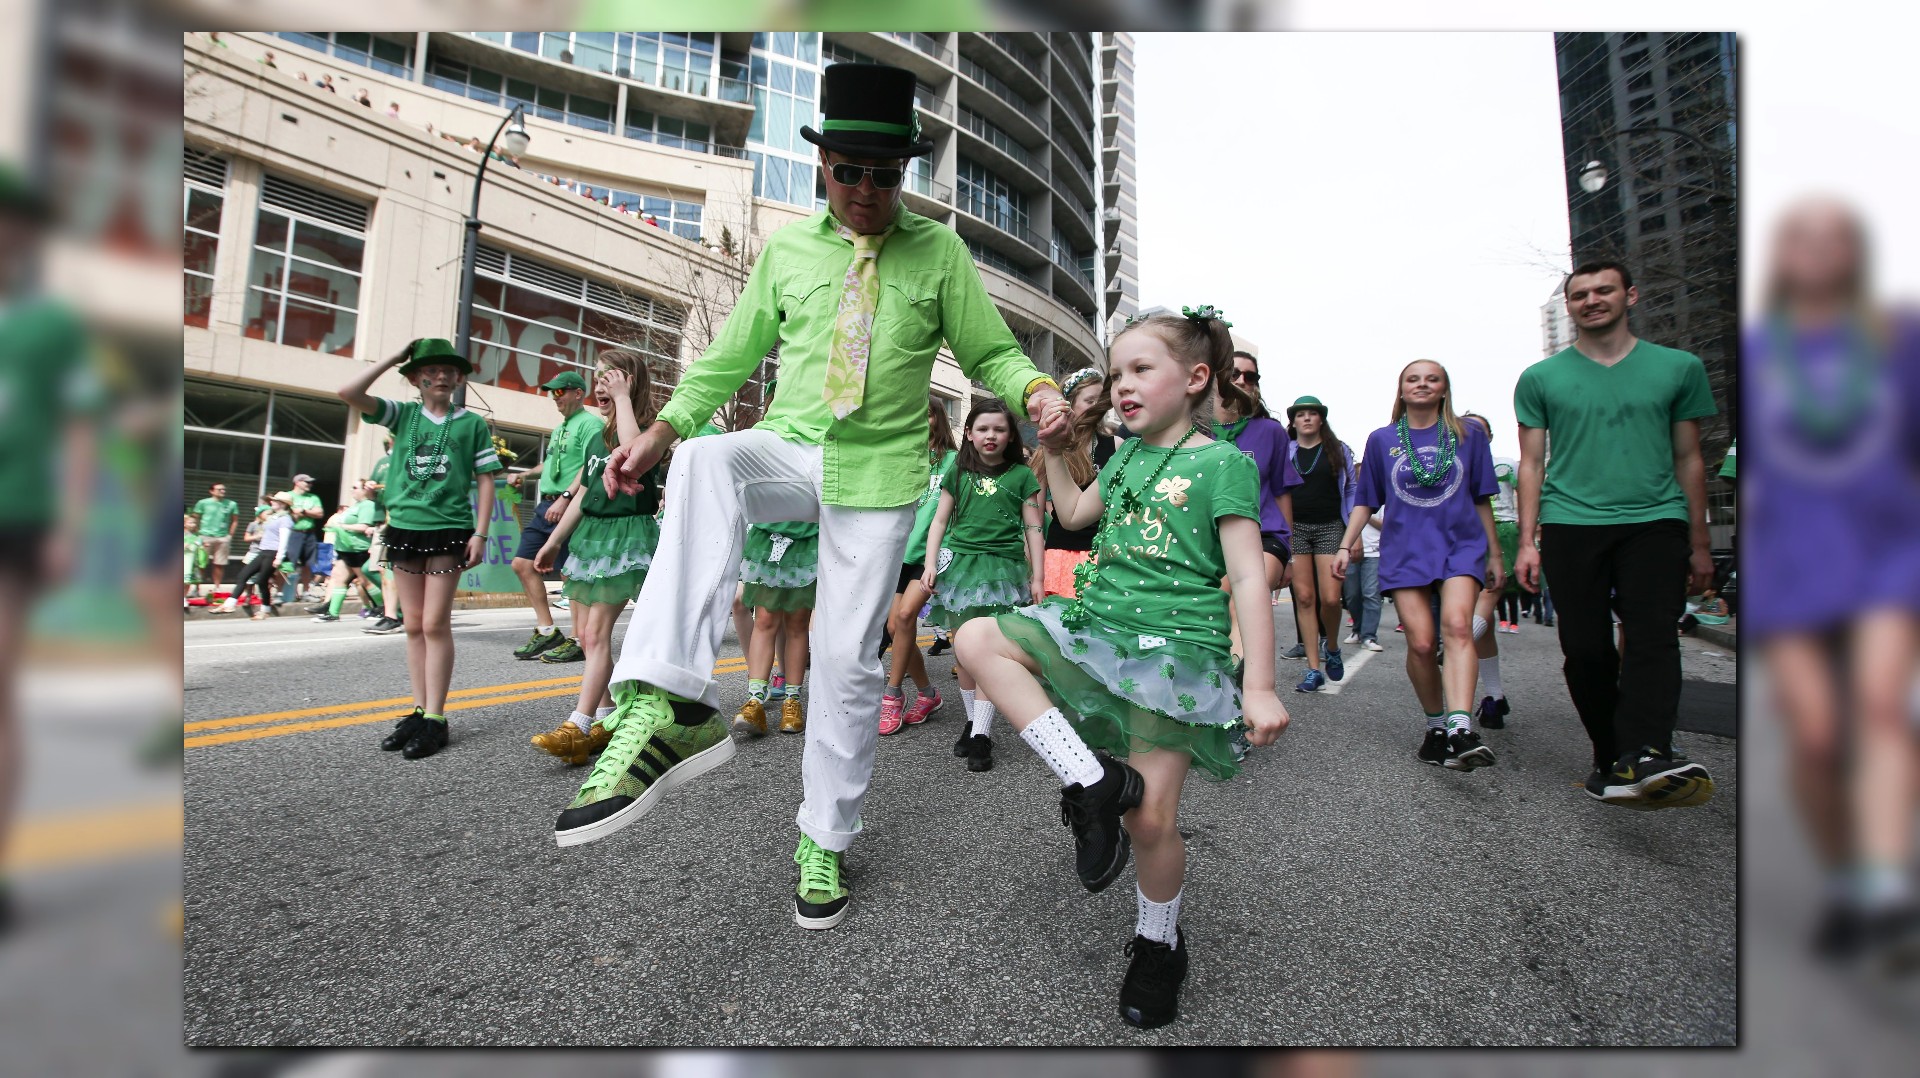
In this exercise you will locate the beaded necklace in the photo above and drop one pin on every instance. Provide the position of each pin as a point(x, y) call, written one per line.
point(1075, 617)
point(1448, 445)
point(423, 473)
point(1306, 469)
point(1826, 420)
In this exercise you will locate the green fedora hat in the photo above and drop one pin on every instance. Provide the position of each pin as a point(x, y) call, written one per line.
point(1305, 404)
point(565, 380)
point(426, 350)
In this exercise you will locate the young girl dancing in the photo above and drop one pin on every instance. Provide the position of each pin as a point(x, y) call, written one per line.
point(989, 517)
point(1439, 473)
point(431, 536)
point(909, 594)
point(1138, 664)
point(778, 568)
point(610, 542)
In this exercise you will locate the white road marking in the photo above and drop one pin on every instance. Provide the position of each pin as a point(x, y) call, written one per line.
point(1353, 667)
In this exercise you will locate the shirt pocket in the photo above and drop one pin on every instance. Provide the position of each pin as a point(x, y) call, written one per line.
point(807, 306)
point(909, 313)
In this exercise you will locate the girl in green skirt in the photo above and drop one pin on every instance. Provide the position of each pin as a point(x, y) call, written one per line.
point(778, 567)
point(612, 540)
point(984, 551)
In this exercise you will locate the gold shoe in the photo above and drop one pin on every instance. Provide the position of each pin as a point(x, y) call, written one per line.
point(792, 719)
point(752, 718)
point(567, 742)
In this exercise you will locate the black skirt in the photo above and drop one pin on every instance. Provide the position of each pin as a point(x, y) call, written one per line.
point(405, 544)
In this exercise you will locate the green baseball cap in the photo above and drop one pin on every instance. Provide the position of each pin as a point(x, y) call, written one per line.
point(428, 350)
point(1305, 403)
point(565, 380)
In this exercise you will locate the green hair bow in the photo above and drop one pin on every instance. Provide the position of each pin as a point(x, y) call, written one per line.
point(1206, 313)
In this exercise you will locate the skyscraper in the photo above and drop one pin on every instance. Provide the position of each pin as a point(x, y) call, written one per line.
point(1120, 235)
point(1556, 325)
point(1656, 113)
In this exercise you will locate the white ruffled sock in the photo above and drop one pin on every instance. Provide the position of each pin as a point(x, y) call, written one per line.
point(1061, 747)
point(982, 713)
point(1158, 920)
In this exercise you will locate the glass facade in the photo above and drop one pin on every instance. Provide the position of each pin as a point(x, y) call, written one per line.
point(256, 440)
point(303, 285)
point(672, 61)
point(668, 130)
point(784, 74)
point(992, 199)
point(379, 53)
point(532, 321)
point(205, 179)
point(492, 88)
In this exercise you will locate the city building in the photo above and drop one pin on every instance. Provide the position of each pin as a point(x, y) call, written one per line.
point(1556, 325)
point(325, 193)
point(1120, 209)
point(1656, 111)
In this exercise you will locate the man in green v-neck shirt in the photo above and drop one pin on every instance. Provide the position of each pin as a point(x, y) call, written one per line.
point(1620, 513)
point(859, 298)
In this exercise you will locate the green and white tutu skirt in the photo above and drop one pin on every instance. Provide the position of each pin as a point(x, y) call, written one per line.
point(977, 586)
point(779, 571)
point(1127, 694)
point(608, 557)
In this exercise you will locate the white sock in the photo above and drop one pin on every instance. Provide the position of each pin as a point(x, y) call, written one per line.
point(1459, 722)
point(966, 703)
point(1880, 886)
point(1490, 677)
point(1479, 626)
point(1437, 722)
point(1158, 920)
point(982, 713)
point(601, 713)
point(1054, 738)
point(584, 723)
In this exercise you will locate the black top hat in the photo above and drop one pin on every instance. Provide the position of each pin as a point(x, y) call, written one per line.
point(869, 113)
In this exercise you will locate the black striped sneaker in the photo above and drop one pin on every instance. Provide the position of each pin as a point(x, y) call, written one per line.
point(648, 755)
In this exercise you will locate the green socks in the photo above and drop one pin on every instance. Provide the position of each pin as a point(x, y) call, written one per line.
point(757, 690)
point(335, 599)
point(431, 717)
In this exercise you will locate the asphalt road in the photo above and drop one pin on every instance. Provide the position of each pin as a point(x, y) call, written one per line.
point(1339, 892)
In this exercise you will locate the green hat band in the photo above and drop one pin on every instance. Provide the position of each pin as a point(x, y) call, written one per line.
point(903, 130)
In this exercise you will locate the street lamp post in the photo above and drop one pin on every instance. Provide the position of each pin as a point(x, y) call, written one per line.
point(515, 129)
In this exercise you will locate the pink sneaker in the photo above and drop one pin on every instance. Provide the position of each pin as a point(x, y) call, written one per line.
point(890, 715)
point(922, 707)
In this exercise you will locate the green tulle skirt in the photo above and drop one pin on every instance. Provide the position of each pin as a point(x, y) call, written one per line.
point(1123, 698)
point(978, 586)
point(778, 572)
point(608, 558)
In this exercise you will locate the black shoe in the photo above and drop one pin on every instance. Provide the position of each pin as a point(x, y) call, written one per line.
point(966, 736)
point(1651, 779)
point(1841, 934)
point(1491, 713)
point(1465, 752)
point(429, 739)
point(941, 645)
point(979, 753)
point(404, 730)
point(1101, 843)
point(1150, 996)
point(1434, 749)
point(1894, 936)
point(385, 626)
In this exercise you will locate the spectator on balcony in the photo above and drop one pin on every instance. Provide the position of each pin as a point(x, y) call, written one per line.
point(326, 83)
point(364, 97)
point(393, 110)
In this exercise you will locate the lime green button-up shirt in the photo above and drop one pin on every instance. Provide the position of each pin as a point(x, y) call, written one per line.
point(930, 292)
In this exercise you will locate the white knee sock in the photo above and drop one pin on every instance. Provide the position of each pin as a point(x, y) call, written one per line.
point(982, 713)
point(1479, 626)
point(966, 703)
point(581, 721)
point(1158, 920)
point(1061, 747)
point(1490, 677)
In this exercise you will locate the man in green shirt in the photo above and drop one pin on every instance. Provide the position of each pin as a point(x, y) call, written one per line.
point(303, 540)
point(1620, 513)
point(218, 514)
point(579, 432)
point(859, 298)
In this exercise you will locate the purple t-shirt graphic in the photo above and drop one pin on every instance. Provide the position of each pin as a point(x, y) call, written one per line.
point(1266, 441)
point(1430, 533)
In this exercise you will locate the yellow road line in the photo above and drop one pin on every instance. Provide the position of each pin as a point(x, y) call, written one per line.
point(273, 724)
point(78, 838)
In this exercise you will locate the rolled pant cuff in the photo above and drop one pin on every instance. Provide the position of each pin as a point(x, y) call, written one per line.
point(826, 839)
point(679, 681)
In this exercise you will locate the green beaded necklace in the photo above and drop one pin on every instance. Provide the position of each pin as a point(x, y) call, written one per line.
point(435, 451)
point(1076, 616)
point(1448, 446)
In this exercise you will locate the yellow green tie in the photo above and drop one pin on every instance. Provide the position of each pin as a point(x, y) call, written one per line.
point(846, 383)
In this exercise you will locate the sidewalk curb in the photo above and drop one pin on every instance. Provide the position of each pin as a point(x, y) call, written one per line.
point(1723, 635)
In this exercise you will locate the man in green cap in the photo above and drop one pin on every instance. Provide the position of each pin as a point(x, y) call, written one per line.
point(860, 298)
point(567, 448)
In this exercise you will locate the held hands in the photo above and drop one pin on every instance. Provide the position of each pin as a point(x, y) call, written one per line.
point(631, 460)
point(1055, 419)
point(1266, 717)
point(1526, 567)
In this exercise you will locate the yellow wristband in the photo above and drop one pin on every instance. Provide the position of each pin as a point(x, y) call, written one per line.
point(1043, 380)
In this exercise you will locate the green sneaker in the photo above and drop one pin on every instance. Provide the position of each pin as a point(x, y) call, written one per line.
point(539, 642)
point(647, 756)
point(568, 652)
point(820, 901)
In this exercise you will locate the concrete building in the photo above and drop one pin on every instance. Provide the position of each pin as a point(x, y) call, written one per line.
point(1657, 111)
point(1120, 209)
point(324, 232)
point(1556, 325)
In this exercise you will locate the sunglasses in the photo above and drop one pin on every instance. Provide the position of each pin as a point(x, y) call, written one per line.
point(885, 178)
point(1252, 378)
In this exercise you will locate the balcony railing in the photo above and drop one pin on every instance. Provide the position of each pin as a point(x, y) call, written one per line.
point(737, 90)
point(928, 188)
point(979, 125)
point(926, 102)
point(1002, 91)
point(920, 43)
point(1077, 210)
point(1033, 65)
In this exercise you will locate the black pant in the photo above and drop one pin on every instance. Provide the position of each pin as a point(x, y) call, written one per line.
point(1639, 571)
point(258, 575)
point(1508, 607)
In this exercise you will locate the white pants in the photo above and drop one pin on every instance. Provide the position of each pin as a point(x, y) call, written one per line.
point(717, 486)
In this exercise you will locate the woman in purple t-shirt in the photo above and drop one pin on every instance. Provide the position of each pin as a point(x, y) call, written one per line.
point(1262, 438)
point(1438, 472)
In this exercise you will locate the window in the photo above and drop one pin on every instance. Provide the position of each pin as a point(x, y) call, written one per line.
point(479, 84)
point(303, 288)
point(672, 61)
point(256, 440)
point(992, 199)
point(987, 256)
point(532, 321)
point(367, 50)
point(668, 130)
point(206, 195)
point(785, 91)
point(1654, 223)
point(991, 132)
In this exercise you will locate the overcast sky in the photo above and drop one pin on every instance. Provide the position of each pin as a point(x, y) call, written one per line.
point(1355, 202)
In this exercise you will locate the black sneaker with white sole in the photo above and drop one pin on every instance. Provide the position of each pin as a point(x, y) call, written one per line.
point(1150, 995)
point(1651, 779)
point(404, 730)
point(1101, 843)
point(1433, 750)
point(1465, 752)
point(430, 738)
point(385, 626)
